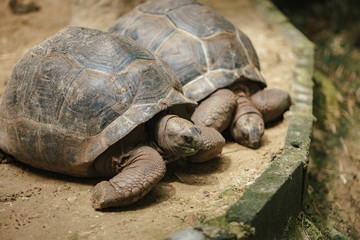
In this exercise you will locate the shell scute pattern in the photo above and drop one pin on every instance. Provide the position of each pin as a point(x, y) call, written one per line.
point(161, 26)
point(78, 92)
point(47, 80)
point(225, 52)
point(92, 107)
point(200, 21)
point(99, 52)
point(202, 44)
point(185, 54)
point(162, 7)
point(250, 50)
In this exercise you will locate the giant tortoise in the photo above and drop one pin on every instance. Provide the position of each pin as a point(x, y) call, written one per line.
point(208, 53)
point(88, 103)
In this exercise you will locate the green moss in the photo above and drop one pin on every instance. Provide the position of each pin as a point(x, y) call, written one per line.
point(336, 102)
point(326, 101)
point(74, 236)
point(301, 228)
point(220, 221)
point(228, 192)
point(240, 230)
point(304, 228)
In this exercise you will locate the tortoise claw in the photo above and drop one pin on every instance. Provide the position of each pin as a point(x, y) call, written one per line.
point(104, 195)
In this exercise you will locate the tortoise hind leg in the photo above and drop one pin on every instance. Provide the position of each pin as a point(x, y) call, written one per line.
point(142, 169)
point(272, 103)
point(215, 111)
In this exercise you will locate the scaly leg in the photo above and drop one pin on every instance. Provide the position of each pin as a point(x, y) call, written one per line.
point(271, 103)
point(216, 111)
point(141, 169)
point(213, 143)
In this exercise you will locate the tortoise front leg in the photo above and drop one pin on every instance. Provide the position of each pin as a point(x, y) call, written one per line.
point(142, 169)
point(215, 111)
point(247, 126)
point(213, 143)
point(271, 103)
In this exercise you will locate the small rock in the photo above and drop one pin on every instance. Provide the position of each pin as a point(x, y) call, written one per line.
point(249, 183)
point(23, 6)
point(72, 199)
point(206, 193)
point(29, 194)
point(225, 207)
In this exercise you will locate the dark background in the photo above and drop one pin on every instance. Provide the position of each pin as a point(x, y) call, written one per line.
point(332, 201)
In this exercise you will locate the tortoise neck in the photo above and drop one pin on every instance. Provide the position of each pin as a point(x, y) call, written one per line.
point(156, 129)
point(107, 163)
point(244, 87)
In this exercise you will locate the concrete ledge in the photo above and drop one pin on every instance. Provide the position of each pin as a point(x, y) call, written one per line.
point(265, 207)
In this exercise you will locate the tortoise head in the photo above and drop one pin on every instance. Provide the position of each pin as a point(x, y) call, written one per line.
point(178, 136)
point(248, 130)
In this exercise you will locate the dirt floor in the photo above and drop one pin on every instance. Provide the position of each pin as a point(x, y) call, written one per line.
point(35, 204)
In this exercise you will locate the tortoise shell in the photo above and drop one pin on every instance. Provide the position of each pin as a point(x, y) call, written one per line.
point(206, 51)
point(77, 93)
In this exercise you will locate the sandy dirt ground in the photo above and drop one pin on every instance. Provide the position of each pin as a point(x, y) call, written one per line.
point(36, 204)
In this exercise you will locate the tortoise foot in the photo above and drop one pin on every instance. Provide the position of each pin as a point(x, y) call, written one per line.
point(213, 143)
point(139, 171)
point(272, 103)
point(104, 195)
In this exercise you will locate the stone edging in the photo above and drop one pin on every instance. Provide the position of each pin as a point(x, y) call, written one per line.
point(277, 194)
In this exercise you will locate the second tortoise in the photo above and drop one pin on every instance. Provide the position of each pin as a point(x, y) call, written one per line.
point(215, 62)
